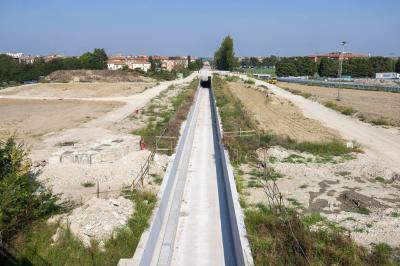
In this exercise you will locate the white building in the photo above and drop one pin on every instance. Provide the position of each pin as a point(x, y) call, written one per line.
point(115, 64)
point(143, 65)
point(388, 75)
point(132, 63)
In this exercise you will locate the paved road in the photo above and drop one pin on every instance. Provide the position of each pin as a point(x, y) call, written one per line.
point(203, 234)
point(380, 142)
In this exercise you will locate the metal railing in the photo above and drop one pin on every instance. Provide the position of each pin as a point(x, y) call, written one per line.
point(349, 85)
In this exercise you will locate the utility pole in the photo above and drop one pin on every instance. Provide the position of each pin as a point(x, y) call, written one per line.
point(340, 70)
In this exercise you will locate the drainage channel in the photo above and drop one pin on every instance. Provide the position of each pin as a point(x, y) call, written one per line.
point(198, 220)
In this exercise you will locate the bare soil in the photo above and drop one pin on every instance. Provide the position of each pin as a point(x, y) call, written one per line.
point(78, 90)
point(370, 104)
point(358, 194)
point(95, 75)
point(280, 116)
point(32, 119)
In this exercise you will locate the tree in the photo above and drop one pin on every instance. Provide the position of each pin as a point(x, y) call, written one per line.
point(328, 67)
point(270, 61)
point(398, 66)
point(286, 67)
point(224, 57)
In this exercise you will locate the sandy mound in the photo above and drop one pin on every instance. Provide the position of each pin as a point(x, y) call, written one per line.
point(94, 75)
point(97, 218)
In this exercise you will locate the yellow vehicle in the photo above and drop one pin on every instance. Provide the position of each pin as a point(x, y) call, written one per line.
point(272, 81)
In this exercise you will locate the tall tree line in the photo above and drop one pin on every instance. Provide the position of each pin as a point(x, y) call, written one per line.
point(270, 61)
point(13, 70)
point(326, 67)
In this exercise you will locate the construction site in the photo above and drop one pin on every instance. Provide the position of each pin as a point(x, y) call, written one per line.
point(175, 133)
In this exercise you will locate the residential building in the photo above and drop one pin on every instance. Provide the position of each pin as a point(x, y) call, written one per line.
point(173, 62)
point(336, 55)
point(140, 62)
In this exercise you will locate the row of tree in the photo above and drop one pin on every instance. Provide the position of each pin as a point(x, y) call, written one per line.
point(326, 67)
point(13, 70)
point(254, 62)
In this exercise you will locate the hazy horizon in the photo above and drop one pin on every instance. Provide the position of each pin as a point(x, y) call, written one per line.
point(259, 28)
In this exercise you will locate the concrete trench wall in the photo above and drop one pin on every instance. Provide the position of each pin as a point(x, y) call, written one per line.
point(145, 250)
point(147, 244)
point(239, 233)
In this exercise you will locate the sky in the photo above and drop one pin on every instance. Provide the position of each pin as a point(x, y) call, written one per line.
point(185, 27)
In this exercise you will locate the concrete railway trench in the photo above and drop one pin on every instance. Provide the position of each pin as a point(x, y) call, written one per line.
point(198, 220)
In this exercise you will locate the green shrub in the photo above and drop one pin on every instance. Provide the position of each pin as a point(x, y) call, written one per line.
point(22, 198)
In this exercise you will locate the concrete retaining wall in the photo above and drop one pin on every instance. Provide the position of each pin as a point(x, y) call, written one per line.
point(239, 234)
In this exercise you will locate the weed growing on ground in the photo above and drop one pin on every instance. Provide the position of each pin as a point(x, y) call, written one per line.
point(168, 122)
point(342, 109)
point(68, 250)
point(87, 184)
point(273, 243)
point(380, 122)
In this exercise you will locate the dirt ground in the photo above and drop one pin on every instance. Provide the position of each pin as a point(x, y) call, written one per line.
point(103, 75)
point(33, 119)
point(370, 104)
point(358, 194)
point(280, 116)
point(78, 90)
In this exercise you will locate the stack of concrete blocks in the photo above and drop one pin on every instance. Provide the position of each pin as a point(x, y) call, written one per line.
point(100, 152)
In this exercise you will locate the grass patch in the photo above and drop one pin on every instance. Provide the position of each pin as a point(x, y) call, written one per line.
point(380, 122)
point(395, 214)
point(157, 178)
point(342, 109)
point(364, 210)
point(249, 81)
point(294, 158)
point(168, 122)
point(68, 250)
point(380, 179)
point(299, 92)
point(273, 243)
point(312, 219)
point(87, 184)
point(254, 184)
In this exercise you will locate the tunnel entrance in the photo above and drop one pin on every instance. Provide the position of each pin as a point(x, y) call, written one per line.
point(205, 82)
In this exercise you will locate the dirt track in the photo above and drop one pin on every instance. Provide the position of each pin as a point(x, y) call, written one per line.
point(370, 104)
point(280, 116)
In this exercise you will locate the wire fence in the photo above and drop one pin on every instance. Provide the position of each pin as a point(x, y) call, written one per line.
point(335, 84)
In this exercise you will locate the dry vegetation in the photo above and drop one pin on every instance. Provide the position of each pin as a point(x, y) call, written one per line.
point(376, 107)
point(279, 115)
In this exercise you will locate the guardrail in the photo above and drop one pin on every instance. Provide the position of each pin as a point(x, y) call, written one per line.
point(350, 85)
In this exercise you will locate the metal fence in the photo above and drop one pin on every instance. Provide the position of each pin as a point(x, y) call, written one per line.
point(349, 85)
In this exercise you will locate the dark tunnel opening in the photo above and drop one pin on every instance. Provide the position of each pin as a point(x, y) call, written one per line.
point(205, 82)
